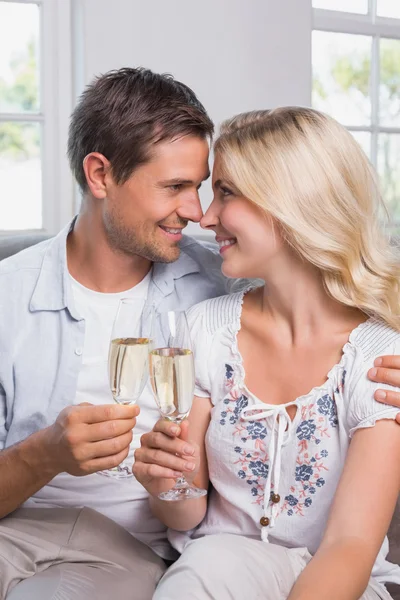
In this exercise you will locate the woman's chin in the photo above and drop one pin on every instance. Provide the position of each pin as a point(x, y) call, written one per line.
point(231, 271)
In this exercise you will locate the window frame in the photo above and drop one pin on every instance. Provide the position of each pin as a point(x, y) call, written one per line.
point(56, 95)
point(376, 27)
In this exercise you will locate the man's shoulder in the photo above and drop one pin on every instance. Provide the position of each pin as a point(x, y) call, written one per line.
point(19, 274)
point(27, 259)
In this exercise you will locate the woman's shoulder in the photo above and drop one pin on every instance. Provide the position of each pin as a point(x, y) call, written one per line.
point(373, 338)
point(368, 341)
point(216, 313)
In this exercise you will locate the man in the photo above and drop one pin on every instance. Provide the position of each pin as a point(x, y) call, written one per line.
point(138, 147)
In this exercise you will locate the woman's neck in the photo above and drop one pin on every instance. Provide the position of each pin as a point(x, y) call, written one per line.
point(295, 299)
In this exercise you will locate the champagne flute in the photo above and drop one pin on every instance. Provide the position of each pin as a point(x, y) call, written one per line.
point(172, 379)
point(128, 362)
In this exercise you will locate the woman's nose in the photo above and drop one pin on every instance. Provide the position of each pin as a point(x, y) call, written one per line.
point(210, 218)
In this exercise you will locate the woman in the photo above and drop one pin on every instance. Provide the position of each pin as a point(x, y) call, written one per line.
point(304, 483)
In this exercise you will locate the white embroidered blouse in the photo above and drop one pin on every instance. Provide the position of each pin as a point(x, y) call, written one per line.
point(275, 478)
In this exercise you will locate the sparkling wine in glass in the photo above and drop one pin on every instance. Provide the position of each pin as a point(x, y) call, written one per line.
point(128, 362)
point(128, 368)
point(172, 379)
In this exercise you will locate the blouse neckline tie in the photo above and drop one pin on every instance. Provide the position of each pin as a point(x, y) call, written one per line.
point(281, 430)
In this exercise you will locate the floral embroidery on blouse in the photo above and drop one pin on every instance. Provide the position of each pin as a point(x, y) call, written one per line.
point(252, 461)
point(317, 419)
point(340, 387)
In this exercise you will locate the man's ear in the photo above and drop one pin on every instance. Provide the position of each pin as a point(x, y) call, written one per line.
point(96, 167)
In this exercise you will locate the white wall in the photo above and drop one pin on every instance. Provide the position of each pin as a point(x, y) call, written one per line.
point(236, 54)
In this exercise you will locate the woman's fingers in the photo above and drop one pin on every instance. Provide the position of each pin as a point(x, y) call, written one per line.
point(164, 459)
point(146, 472)
point(162, 441)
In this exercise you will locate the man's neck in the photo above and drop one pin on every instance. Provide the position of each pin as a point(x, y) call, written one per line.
point(96, 265)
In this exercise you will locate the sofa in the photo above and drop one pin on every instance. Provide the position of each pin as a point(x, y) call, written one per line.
point(13, 244)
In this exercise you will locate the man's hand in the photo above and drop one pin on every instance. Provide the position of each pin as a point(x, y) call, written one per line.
point(86, 438)
point(387, 370)
point(163, 456)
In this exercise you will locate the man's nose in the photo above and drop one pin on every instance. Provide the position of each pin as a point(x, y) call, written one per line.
point(190, 209)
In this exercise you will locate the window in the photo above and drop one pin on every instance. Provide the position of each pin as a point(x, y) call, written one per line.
point(356, 79)
point(35, 102)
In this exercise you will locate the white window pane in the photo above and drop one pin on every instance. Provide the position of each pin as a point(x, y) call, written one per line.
point(19, 43)
point(352, 6)
point(341, 76)
point(364, 139)
point(389, 88)
point(389, 171)
point(20, 176)
point(389, 8)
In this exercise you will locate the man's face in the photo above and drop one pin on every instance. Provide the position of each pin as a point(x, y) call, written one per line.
point(145, 215)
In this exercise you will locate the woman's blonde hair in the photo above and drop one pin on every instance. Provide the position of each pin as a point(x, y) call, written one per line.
point(309, 174)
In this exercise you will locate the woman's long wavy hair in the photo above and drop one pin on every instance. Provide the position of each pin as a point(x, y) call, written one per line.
point(310, 175)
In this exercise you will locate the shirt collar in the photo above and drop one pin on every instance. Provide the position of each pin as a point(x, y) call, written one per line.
point(53, 288)
point(165, 274)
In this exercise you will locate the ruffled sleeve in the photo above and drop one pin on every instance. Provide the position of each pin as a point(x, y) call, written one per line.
point(201, 341)
point(371, 340)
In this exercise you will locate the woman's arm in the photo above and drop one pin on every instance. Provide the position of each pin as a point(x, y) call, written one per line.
point(166, 453)
point(360, 517)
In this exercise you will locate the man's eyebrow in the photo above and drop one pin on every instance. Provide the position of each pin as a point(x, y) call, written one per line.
point(179, 181)
point(176, 181)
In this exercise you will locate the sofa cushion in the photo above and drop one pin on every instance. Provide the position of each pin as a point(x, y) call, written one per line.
point(15, 243)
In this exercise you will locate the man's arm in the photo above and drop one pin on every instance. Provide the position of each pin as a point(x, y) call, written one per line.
point(387, 370)
point(84, 439)
point(360, 516)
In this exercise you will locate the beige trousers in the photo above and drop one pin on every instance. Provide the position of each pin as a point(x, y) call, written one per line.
point(231, 567)
point(73, 554)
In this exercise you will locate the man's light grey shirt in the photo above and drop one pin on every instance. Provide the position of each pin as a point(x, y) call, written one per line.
point(42, 336)
point(41, 342)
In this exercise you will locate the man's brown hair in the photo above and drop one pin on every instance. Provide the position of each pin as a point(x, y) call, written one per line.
point(123, 113)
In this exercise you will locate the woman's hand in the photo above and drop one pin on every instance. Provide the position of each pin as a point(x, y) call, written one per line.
point(164, 455)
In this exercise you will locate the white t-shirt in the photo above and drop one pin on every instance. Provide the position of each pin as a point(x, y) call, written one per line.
point(123, 500)
point(255, 450)
point(99, 311)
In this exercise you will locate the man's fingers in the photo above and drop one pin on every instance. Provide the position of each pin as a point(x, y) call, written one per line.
point(109, 447)
point(390, 361)
point(388, 397)
point(107, 430)
point(103, 464)
point(384, 375)
point(105, 412)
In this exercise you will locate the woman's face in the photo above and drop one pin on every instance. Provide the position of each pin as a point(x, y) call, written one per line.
point(249, 240)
